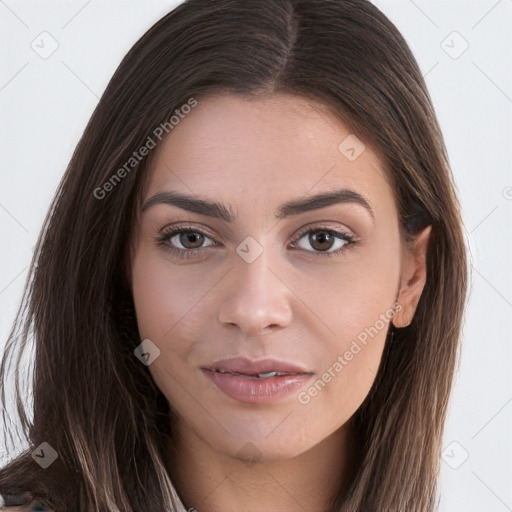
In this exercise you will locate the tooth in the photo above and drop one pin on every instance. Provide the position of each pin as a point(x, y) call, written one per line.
point(268, 374)
point(265, 375)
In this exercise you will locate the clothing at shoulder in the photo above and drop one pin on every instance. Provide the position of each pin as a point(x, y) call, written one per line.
point(24, 503)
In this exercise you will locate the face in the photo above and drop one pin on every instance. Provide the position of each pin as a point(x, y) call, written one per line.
point(307, 290)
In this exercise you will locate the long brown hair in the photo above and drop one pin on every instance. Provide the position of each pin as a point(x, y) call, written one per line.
point(93, 401)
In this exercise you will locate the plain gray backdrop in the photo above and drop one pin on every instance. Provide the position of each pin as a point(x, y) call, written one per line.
point(56, 60)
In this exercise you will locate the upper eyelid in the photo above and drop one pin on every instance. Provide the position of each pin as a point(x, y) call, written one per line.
point(323, 227)
point(174, 230)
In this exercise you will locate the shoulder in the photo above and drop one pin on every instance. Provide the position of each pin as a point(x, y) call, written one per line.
point(24, 503)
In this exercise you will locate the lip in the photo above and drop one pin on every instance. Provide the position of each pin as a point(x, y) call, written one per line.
point(248, 367)
point(238, 379)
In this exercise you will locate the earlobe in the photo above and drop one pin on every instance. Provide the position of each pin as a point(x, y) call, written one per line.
point(413, 278)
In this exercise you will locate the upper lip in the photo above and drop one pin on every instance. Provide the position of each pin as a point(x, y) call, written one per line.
point(248, 367)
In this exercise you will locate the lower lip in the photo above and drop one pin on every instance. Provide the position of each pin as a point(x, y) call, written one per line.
point(245, 389)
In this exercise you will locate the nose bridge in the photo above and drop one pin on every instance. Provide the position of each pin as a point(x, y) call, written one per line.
point(255, 298)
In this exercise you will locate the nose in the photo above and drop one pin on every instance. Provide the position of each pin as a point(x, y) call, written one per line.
point(255, 298)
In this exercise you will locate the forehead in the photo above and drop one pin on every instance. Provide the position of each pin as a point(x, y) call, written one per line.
point(246, 150)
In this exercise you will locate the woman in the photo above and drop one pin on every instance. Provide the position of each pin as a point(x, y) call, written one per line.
point(248, 292)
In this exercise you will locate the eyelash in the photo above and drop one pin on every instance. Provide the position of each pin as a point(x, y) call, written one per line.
point(162, 240)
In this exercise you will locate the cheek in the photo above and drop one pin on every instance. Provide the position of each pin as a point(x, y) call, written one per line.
point(167, 299)
point(358, 307)
point(168, 304)
point(350, 362)
point(353, 296)
point(173, 311)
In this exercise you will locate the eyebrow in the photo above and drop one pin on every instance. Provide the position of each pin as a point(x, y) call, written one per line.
point(288, 209)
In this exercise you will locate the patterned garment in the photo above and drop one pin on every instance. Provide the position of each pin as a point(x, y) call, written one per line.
point(24, 503)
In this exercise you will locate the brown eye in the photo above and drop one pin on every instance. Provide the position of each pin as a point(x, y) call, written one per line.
point(190, 240)
point(321, 240)
point(324, 242)
point(186, 239)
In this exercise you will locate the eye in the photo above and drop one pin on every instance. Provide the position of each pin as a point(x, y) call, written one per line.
point(188, 242)
point(324, 241)
point(188, 238)
point(184, 241)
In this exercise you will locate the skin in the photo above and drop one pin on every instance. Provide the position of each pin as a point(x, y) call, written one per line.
point(290, 303)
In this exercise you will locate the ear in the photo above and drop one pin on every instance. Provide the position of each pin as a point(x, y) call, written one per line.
point(413, 278)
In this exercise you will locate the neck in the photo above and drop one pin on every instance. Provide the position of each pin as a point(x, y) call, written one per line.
point(210, 481)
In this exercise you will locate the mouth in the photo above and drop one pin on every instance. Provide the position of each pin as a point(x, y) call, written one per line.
point(261, 368)
point(264, 375)
point(261, 381)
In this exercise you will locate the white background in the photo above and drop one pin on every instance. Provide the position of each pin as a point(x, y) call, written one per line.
point(46, 103)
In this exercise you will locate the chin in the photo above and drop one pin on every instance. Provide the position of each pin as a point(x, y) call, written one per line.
point(254, 446)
